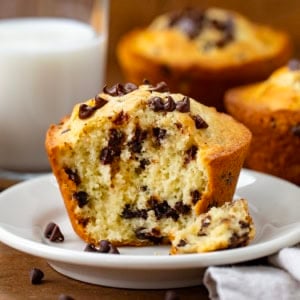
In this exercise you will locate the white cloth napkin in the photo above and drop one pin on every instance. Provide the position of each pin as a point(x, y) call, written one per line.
point(279, 279)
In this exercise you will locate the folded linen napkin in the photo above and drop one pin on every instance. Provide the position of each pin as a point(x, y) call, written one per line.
point(277, 280)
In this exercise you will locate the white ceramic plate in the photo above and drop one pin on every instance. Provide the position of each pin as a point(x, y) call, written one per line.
point(26, 209)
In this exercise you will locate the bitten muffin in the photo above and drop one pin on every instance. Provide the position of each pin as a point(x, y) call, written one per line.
point(271, 110)
point(137, 164)
point(228, 226)
point(202, 53)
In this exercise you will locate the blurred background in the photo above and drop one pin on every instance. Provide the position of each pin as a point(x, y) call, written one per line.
point(128, 14)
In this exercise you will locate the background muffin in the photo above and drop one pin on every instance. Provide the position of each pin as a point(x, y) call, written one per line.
point(271, 110)
point(202, 53)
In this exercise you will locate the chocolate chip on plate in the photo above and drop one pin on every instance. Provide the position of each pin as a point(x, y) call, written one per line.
point(36, 275)
point(104, 246)
point(90, 248)
point(53, 233)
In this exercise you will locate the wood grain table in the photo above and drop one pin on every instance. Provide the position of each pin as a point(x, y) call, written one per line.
point(15, 282)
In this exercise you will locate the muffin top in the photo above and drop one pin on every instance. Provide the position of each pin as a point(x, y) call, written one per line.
point(214, 131)
point(213, 37)
point(281, 91)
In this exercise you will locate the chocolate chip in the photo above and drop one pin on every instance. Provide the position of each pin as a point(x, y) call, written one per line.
point(196, 196)
point(143, 163)
point(142, 234)
point(135, 145)
point(56, 235)
point(115, 138)
point(104, 246)
point(113, 250)
point(236, 241)
point(244, 224)
point(181, 243)
point(81, 197)
point(115, 90)
point(49, 229)
point(129, 87)
point(162, 209)
point(129, 212)
point(159, 134)
point(193, 21)
point(36, 275)
point(121, 118)
point(53, 233)
point(190, 154)
point(183, 105)
point(65, 297)
point(227, 29)
point(120, 89)
point(156, 104)
point(85, 111)
point(108, 153)
point(189, 27)
point(72, 175)
point(190, 21)
point(178, 125)
point(161, 87)
point(296, 130)
point(106, 156)
point(182, 208)
point(83, 221)
point(144, 188)
point(294, 65)
point(170, 104)
point(90, 248)
point(199, 122)
point(99, 102)
point(171, 295)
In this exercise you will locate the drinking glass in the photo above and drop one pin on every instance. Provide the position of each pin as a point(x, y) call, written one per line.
point(52, 55)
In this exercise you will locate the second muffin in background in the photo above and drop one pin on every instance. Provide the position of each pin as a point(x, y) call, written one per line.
point(202, 53)
point(271, 110)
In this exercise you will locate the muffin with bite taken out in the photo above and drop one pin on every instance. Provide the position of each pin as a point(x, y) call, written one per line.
point(137, 164)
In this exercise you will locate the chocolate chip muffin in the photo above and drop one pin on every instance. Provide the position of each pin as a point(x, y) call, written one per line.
point(137, 164)
point(202, 53)
point(228, 226)
point(271, 110)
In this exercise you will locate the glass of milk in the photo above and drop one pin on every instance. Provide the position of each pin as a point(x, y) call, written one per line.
point(52, 55)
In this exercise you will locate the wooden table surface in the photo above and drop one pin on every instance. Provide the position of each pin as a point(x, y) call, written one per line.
point(15, 283)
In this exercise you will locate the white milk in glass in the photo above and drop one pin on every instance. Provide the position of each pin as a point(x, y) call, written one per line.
point(46, 66)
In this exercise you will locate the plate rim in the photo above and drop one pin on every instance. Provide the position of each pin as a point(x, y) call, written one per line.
point(190, 261)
